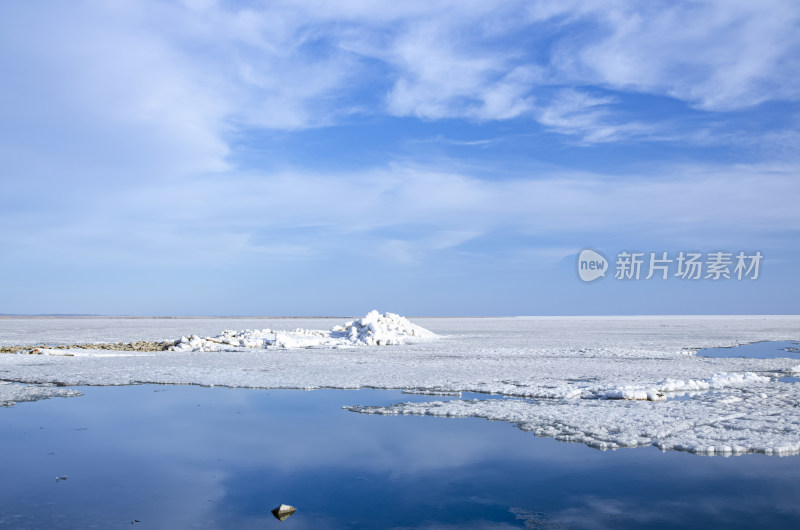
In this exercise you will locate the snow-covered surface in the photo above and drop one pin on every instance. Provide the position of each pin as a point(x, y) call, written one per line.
point(373, 329)
point(605, 381)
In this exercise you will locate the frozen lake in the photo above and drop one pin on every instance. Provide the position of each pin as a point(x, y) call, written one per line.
point(142, 437)
point(608, 382)
point(193, 457)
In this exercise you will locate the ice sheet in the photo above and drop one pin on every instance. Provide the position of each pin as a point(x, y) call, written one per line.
point(605, 381)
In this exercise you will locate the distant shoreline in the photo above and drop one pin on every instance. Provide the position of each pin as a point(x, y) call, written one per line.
point(250, 317)
point(4, 316)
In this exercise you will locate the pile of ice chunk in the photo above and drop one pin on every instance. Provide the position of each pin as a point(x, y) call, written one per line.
point(374, 329)
point(660, 391)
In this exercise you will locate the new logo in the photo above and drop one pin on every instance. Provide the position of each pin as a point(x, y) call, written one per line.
point(591, 265)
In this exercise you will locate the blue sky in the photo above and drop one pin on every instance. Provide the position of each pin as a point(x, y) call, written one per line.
point(422, 157)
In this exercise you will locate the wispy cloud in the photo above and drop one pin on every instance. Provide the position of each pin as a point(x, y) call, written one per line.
point(438, 79)
point(589, 118)
point(716, 55)
point(178, 80)
point(408, 214)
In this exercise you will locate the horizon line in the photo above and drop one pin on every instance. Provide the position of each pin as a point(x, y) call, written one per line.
point(154, 317)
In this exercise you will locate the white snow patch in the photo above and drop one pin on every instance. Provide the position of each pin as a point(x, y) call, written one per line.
point(373, 329)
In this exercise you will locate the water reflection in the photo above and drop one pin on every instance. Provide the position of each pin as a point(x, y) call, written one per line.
point(191, 457)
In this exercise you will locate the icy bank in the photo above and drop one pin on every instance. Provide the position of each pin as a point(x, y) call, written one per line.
point(373, 329)
point(557, 375)
point(743, 421)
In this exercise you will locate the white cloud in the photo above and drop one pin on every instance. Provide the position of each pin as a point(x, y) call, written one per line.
point(164, 86)
point(126, 103)
point(407, 214)
point(716, 55)
point(589, 118)
point(89, 86)
point(437, 78)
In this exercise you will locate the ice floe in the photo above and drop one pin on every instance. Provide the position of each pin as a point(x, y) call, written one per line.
point(13, 393)
point(751, 422)
point(609, 382)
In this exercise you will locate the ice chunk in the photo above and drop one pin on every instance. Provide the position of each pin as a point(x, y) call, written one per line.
point(660, 391)
point(12, 393)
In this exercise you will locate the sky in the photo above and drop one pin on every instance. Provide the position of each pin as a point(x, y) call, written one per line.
point(439, 158)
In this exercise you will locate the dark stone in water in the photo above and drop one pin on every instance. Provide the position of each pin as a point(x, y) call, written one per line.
point(283, 512)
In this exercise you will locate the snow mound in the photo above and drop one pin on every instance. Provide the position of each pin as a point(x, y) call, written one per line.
point(373, 329)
